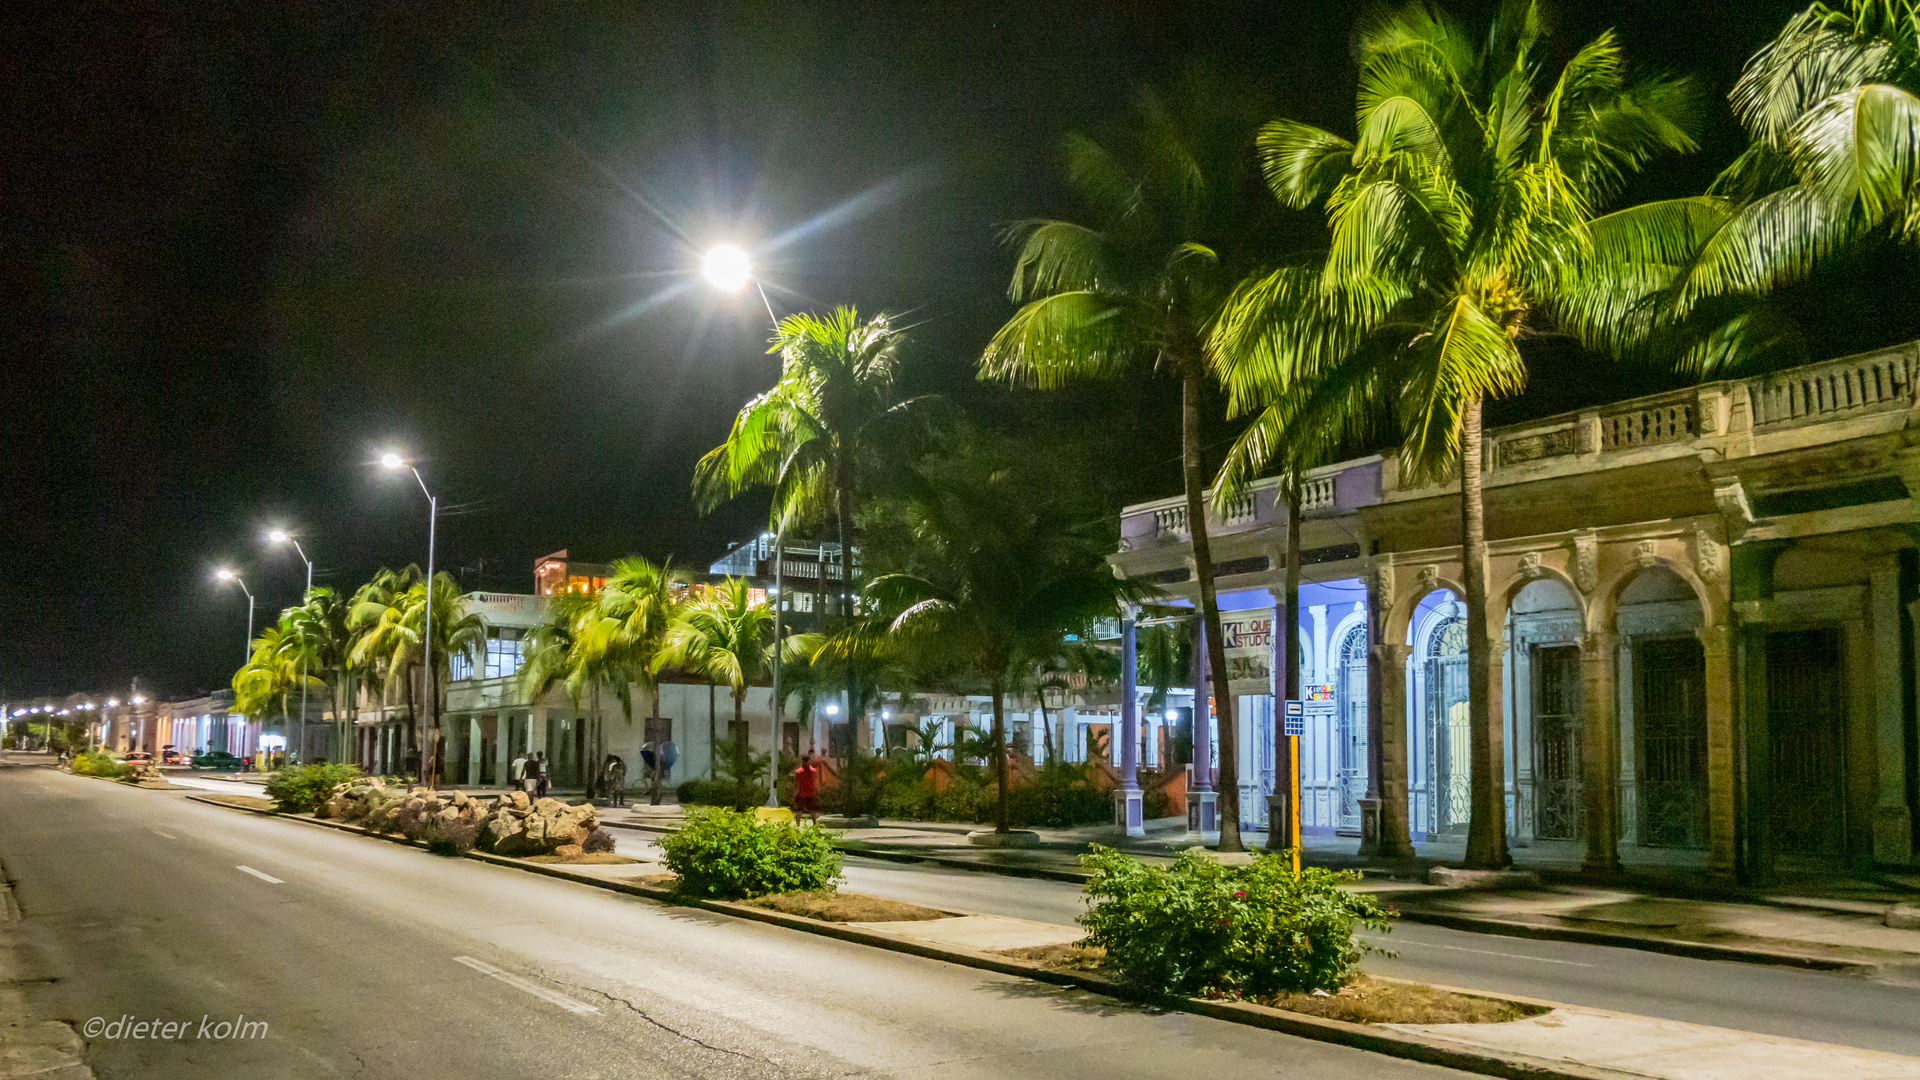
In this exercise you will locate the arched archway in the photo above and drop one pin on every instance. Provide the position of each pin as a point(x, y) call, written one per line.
point(1657, 617)
point(1439, 721)
point(1544, 625)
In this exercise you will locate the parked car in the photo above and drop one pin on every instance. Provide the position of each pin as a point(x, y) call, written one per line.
point(170, 756)
point(216, 759)
point(138, 757)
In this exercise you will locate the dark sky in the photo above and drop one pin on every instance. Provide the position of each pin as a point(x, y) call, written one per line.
point(246, 243)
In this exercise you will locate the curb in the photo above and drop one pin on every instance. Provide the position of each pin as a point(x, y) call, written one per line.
point(1693, 950)
point(1356, 1036)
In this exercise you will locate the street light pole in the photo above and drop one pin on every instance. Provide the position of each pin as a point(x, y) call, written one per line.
point(394, 461)
point(281, 536)
point(728, 269)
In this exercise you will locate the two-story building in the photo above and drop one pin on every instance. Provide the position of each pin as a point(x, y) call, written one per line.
point(1701, 611)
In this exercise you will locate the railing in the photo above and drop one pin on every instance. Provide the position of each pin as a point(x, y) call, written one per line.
point(1316, 494)
point(1855, 384)
point(1240, 509)
point(1170, 521)
point(1665, 420)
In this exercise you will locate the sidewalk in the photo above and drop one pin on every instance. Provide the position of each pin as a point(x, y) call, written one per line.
point(1836, 923)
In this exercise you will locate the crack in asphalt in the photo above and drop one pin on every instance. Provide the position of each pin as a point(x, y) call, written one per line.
point(643, 1014)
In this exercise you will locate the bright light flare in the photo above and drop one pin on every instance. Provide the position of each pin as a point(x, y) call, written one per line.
point(391, 460)
point(279, 536)
point(225, 574)
point(727, 268)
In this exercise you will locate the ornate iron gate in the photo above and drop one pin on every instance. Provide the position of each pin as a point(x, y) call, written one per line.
point(1449, 729)
point(1352, 728)
point(1556, 743)
point(1808, 809)
point(1670, 741)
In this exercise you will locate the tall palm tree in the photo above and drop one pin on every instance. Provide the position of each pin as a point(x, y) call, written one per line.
point(1002, 575)
point(274, 672)
point(724, 636)
point(817, 433)
point(378, 654)
point(1138, 286)
point(396, 632)
point(1458, 211)
point(326, 642)
point(631, 618)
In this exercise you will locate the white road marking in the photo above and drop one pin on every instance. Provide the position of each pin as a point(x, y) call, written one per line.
point(268, 878)
point(163, 835)
point(1482, 952)
point(519, 983)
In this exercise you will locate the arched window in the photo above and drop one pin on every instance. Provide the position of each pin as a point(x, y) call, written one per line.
point(1449, 726)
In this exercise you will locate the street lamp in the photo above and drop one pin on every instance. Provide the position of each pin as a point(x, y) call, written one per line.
point(282, 536)
point(393, 462)
point(226, 574)
point(727, 268)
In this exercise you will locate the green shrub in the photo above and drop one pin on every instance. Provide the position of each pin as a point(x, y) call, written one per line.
point(1060, 796)
point(728, 855)
point(99, 764)
point(1202, 928)
point(699, 792)
point(300, 789)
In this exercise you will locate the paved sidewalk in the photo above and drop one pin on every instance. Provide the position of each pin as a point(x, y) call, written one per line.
point(1835, 921)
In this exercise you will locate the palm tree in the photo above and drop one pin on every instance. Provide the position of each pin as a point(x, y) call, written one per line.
point(723, 636)
point(326, 642)
point(1002, 575)
point(275, 670)
point(1459, 210)
point(379, 652)
point(396, 633)
point(1139, 287)
point(815, 436)
point(632, 615)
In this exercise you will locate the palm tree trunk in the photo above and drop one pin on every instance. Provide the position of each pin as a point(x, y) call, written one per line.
point(592, 765)
point(1003, 768)
point(1487, 823)
point(1191, 386)
point(856, 726)
point(653, 789)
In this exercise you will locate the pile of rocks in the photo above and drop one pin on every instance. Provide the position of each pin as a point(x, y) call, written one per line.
point(511, 824)
point(145, 773)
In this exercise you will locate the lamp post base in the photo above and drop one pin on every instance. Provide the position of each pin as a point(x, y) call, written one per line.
point(1203, 815)
point(1129, 810)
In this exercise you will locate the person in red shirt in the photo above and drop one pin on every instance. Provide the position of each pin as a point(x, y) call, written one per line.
point(806, 789)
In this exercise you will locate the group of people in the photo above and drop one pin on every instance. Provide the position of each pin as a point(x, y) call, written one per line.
point(530, 774)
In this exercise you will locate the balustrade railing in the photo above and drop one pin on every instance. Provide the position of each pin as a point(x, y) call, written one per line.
point(1857, 384)
point(1647, 424)
point(1170, 521)
point(1316, 494)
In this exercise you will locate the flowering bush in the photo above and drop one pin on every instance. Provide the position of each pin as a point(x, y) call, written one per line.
point(1199, 927)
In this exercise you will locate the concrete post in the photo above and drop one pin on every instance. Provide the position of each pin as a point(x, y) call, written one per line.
point(473, 750)
point(1132, 802)
point(1599, 792)
point(502, 752)
point(1202, 801)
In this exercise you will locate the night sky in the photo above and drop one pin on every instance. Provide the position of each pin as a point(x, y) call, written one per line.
point(246, 244)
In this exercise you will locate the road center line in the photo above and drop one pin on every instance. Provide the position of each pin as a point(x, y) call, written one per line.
point(163, 835)
point(1482, 952)
point(519, 983)
point(268, 878)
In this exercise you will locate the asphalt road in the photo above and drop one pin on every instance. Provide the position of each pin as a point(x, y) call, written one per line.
point(1845, 1009)
point(365, 958)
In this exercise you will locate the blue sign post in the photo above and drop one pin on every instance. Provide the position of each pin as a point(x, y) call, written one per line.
point(1296, 719)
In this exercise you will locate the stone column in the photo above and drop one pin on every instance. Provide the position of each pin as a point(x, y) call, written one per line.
point(1202, 801)
point(1131, 802)
point(1892, 820)
point(502, 753)
point(537, 734)
point(473, 750)
point(1599, 793)
point(1717, 642)
point(1280, 777)
point(1496, 722)
point(1387, 713)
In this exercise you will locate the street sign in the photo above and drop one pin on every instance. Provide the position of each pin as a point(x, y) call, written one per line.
point(1295, 718)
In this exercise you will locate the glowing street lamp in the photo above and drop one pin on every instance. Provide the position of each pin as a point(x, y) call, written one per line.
point(393, 462)
point(727, 268)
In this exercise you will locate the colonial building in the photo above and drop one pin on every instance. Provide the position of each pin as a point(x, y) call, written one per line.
point(1701, 613)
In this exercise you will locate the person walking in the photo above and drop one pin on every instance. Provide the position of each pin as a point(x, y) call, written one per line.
point(543, 780)
point(517, 772)
point(616, 781)
point(806, 789)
